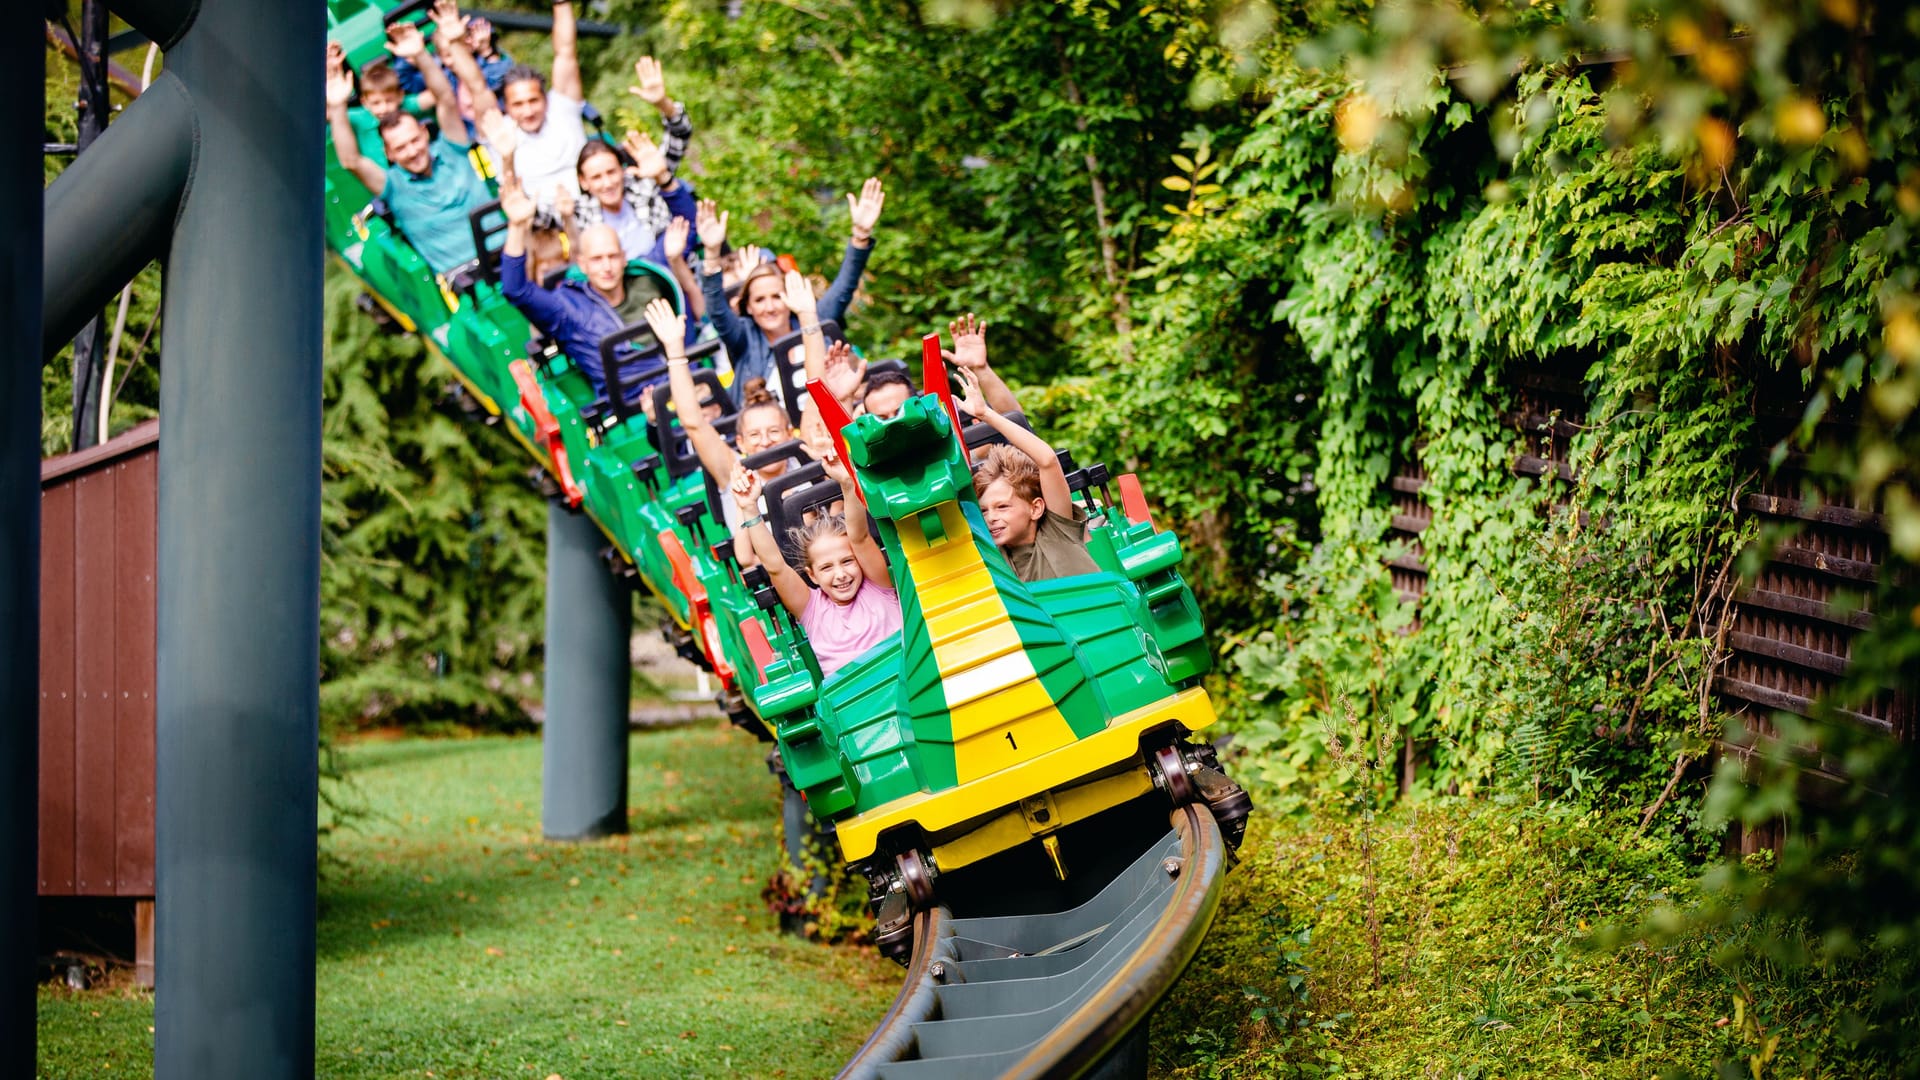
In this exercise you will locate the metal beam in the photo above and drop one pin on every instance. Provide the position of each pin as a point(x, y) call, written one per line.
point(110, 212)
point(22, 86)
point(583, 771)
point(164, 21)
point(520, 20)
point(239, 547)
point(505, 20)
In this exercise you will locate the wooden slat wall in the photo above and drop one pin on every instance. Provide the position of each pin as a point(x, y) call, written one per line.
point(1793, 626)
point(134, 642)
point(97, 669)
point(93, 612)
point(56, 692)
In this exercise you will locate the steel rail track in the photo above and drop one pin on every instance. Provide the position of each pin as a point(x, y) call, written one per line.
point(1057, 994)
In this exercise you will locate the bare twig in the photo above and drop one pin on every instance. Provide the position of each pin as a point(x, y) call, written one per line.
point(1714, 658)
point(1679, 768)
point(1109, 253)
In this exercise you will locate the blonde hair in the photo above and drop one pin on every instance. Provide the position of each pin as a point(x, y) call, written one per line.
point(760, 270)
point(801, 538)
point(1009, 464)
point(754, 397)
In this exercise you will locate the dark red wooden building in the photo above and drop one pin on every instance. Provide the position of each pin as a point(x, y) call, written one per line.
point(97, 567)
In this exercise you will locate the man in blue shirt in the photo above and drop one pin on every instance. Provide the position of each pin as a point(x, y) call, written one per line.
point(578, 314)
point(428, 185)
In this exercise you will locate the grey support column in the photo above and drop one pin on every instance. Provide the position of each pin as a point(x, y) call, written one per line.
point(22, 87)
point(583, 773)
point(239, 553)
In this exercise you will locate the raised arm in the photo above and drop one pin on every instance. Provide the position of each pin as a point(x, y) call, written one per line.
point(865, 212)
point(450, 40)
point(566, 58)
point(873, 561)
point(536, 303)
point(404, 41)
point(670, 328)
point(970, 352)
point(845, 373)
point(787, 581)
point(649, 161)
point(346, 145)
point(1053, 482)
point(503, 137)
point(673, 248)
point(711, 223)
point(650, 86)
point(814, 343)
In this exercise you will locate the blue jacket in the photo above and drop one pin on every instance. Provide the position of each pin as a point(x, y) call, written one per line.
point(747, 344)
point(577, 317)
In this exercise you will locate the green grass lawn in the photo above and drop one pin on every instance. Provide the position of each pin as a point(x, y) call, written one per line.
point(455, 942)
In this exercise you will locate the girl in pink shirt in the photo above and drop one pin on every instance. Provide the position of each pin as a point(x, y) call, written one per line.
point(850, 611)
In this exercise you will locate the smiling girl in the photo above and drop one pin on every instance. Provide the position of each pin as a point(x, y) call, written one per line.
point(847, 611)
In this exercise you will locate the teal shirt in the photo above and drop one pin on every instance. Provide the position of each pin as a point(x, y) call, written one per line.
point(432, 209)
point(366, 132)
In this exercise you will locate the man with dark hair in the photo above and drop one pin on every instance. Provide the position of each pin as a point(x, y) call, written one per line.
point(428, 184)
point(886, 391)
point(551, 132)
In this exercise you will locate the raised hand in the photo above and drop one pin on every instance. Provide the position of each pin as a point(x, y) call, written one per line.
point(865, 209)
point(648, 159)
point(669, 326)
point(712, 223)
point(673, 244)
point(835, 469)
point(843, 372)
point(405, 42)
point(745, 487)
point(652, 87)
point(449, 26)
point(501, 133)
point(339, 82)
point(972, 399)
point(745, 258)
point(800, 298)
point(479, 35)
point(562, 202)
point(969, 342)
point(515, 202)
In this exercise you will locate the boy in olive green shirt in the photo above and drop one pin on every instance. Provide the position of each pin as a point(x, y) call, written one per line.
point(1025, 498)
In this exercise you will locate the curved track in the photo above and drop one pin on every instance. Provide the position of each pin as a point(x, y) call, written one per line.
point(1057, 994)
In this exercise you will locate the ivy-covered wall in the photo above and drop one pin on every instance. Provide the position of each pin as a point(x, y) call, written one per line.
point(1396, 288)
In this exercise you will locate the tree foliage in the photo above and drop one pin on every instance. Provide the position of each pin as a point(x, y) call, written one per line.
point(433, 542)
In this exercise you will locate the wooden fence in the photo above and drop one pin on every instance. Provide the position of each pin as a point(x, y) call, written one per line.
point(1793, 626)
